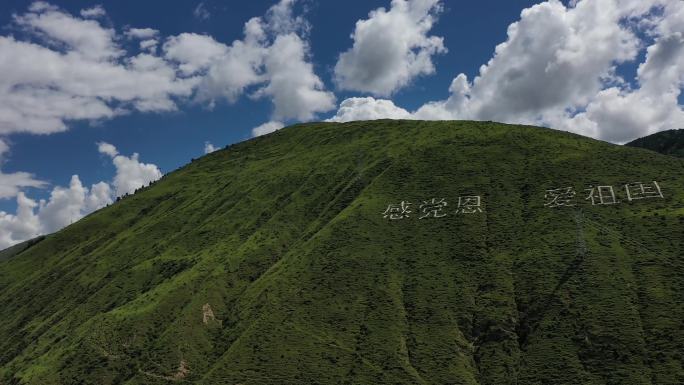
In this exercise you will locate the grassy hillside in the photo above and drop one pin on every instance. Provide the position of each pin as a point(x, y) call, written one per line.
point(670, 142)
point(18, 248)
point(270, 262)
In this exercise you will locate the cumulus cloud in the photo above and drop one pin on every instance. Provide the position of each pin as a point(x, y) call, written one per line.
point(390, 48)
point(229, 70)
point(273, 56)
point(21, 226)
point(108, 149)
point(69, 204)
point(622, 113)
point(65, 206)
point(368, 108)
point(294, 88)
point(75, 70)
point(193, 52)
point(267, 128)
point(131, 174)
point(558, 67)
point(209, 148)
point(554, 57)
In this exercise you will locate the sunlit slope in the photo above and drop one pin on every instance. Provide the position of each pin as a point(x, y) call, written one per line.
point(271, 262)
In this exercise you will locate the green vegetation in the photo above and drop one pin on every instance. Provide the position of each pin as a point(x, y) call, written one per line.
point(18, 248)
point(306, 283)
point(670, 142)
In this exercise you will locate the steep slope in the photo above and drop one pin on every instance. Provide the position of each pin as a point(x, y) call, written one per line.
point(670, 142)
point(271, 262)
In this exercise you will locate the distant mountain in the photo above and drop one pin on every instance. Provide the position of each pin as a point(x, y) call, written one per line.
point(382, 252)
point(670, 142)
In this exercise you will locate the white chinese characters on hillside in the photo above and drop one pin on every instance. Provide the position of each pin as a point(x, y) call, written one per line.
point(469, 204)
point(602, 195)
point(398, 211)
point(640, 190)
point(433, 208)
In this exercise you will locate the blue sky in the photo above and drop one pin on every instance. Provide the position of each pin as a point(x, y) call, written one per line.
point(562, 67)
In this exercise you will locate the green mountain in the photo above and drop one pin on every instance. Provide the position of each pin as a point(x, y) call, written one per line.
point(384, 252)
point(670, 142)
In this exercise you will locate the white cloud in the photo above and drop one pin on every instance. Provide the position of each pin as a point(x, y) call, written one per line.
point(280, 19)
point(108, 149)
point(272, 55)
point(294, 88)
point(100, 195)
point(201, 12)
point(209, 148)
point(368, 108)
point(558, 68)
point(86, 37)
point(21, 226)
point(267, 128)
point(141, 33)
point(74, 69)
point(193, 52)
point(621, 113)
point(65, 206)
point(555, 57)
point(12, 183)
point(131, 174)
point(149, 45)
point(93, 12)
point(391, 48)
point(229, 70)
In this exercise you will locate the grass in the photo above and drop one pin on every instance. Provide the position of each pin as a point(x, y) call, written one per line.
point(283, 236)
